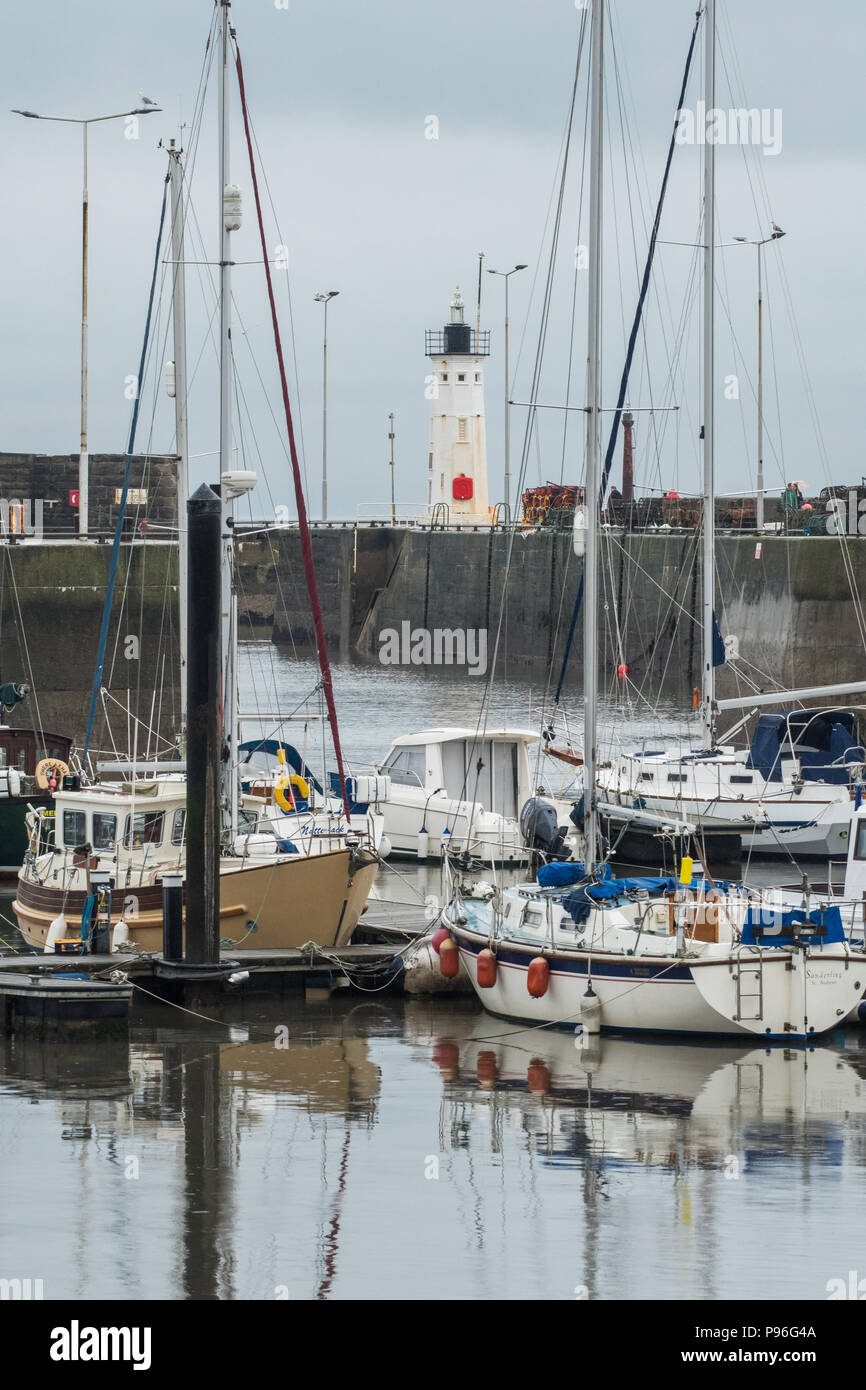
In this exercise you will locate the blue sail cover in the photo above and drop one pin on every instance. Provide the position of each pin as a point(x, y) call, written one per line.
point(719, 653)
point(261, 755)
point(825, 741)
point(773, 925)
point(560, 874)
point(578, 903)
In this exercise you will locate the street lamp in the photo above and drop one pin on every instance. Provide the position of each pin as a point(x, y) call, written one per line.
point(776, 234)
point(84, 122)
point(391, 434)
point(325, 299)
point(506, 276)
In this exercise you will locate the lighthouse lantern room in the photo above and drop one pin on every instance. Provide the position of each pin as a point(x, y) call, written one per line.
point(457, 463)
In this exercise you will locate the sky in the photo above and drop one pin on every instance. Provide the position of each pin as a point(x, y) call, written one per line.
point(341, 96)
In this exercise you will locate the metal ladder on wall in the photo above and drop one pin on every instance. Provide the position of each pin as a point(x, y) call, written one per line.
point(750, 987)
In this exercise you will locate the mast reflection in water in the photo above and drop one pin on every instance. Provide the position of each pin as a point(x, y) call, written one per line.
point(422, 1150)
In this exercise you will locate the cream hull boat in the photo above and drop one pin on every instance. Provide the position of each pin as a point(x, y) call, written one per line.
point(289, 902)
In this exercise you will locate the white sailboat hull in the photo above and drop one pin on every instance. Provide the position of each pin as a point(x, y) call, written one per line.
point(810, 820)
point(801, 995)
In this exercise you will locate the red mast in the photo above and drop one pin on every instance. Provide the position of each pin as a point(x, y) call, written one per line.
point(303, 524)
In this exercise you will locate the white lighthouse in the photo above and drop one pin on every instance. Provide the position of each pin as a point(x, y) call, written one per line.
point(457, 464)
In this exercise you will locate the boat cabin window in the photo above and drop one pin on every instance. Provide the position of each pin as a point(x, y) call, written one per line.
point(104, 830)
point(741, 781)
point(676, 777)
point(145, 829)
point(407, 766)
point(74, 828)
point(860, 843)
point(178, 826)
point(647, 776)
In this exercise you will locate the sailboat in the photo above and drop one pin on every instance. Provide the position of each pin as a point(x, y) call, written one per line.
point(278, 887)
point(792, 791)
point(648, 954)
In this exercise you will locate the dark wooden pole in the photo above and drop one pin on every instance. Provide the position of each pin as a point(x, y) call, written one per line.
point(203, 728)
point(172, 917)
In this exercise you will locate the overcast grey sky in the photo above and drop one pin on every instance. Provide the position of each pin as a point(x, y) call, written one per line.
point(339, 94)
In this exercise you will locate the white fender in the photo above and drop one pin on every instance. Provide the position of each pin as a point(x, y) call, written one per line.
point(59, 928)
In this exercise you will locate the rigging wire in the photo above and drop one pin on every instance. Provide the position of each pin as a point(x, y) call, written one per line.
point(115, 553)
point(306, 544)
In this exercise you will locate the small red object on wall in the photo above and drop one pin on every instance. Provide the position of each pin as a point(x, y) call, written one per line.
point(73, 497)
point(462, 488)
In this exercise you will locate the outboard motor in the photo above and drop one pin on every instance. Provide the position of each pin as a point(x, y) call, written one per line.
point(539, 826)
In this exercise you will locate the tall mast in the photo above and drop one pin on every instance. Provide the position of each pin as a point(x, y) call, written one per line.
point(593, 400)
point(228, 603)
point(180, 402)
point(708, 565)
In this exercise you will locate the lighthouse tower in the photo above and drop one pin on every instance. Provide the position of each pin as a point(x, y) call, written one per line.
point(457, 464)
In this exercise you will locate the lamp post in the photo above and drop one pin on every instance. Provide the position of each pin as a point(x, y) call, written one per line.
point(325, 299)
point(391, 437)
point(84, 122)
point(776, 234)
point(506, 276)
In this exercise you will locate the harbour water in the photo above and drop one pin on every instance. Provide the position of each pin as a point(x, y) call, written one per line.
point(375, 1147)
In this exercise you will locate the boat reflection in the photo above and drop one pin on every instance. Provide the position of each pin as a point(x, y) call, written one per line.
point(173, 1109)
point(625, 1102)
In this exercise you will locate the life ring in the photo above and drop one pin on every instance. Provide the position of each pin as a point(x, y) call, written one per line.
point(291, 784)
point(48, 770)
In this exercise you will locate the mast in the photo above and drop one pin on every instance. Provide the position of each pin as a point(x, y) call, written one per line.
point(180, 403)
point(228, 602)
point(593, 384)
point(708, 564)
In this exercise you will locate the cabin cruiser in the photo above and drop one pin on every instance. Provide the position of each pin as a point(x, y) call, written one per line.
point(796, 783)
point(458, 788)
point(290, 876)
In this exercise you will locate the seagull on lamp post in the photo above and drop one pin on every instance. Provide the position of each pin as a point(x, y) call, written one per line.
point(145, 101)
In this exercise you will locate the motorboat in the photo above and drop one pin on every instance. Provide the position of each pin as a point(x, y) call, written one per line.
point(458, 790)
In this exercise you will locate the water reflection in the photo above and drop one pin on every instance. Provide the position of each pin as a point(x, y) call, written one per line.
point(670, 1105)
point(422, 1149)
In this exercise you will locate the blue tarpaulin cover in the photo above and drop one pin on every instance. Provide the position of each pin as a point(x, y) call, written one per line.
point(825, 741)
point(774, 924)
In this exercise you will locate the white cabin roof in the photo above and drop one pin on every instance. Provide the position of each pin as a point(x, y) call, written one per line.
point(165, 791)
point(449, 735)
